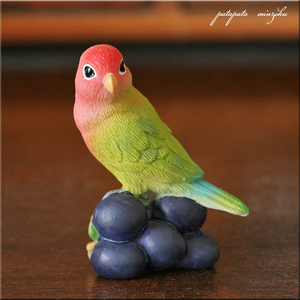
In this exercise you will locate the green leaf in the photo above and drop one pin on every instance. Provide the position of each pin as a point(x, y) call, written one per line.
point(93, 232)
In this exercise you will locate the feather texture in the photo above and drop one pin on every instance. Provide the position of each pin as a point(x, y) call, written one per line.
point(124, 132)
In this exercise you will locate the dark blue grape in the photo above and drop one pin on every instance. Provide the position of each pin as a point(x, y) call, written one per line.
point(120, 217)
point(126, 193)
point(125, 260)
point(185, 214)
point(149, 205)
point(202, 252)
point(163, 243)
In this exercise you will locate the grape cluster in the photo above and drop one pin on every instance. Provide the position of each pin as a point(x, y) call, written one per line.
point(131, 235)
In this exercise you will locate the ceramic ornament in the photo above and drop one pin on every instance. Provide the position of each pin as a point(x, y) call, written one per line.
point(153, 221)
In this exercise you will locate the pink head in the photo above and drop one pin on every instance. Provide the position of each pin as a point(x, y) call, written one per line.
point(101, 74)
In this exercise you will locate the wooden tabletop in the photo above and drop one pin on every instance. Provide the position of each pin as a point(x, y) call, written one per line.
point(240, 126)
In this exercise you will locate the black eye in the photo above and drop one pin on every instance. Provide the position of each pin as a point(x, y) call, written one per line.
point(88, 72)
point(122, 67)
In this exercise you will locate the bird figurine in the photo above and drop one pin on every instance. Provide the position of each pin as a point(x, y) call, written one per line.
point(123, 131)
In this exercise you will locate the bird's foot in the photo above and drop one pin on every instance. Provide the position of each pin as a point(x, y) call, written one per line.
point(147, 197)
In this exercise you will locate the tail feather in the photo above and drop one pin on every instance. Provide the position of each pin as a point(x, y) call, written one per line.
point(220, 199)
point(210, 196)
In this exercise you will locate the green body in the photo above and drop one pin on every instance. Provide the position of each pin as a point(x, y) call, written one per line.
point(132, 142)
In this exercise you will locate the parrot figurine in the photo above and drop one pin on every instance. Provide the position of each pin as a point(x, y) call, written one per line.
point(123, 131)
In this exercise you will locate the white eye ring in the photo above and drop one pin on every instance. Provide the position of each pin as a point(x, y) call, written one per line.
point(122, 70)
point(88, 72)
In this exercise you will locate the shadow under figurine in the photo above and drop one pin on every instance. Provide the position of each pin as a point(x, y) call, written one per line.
point(153, 222)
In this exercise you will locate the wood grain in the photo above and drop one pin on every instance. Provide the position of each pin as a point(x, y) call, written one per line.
point(241, 127)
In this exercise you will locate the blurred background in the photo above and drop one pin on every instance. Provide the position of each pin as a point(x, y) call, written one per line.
point(230, 94)
point(42, 35)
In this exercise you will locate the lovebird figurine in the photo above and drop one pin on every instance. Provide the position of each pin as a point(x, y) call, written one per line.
point(123, 131)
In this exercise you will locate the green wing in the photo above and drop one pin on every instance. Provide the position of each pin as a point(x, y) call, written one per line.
point(148, 150)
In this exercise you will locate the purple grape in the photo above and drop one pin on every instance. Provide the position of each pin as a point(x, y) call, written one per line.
point(145, 198)
point(186, 214)
point(126, 193)
point(120, 217)
point(126, 260)
point(163, 243)
point(202, 252)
